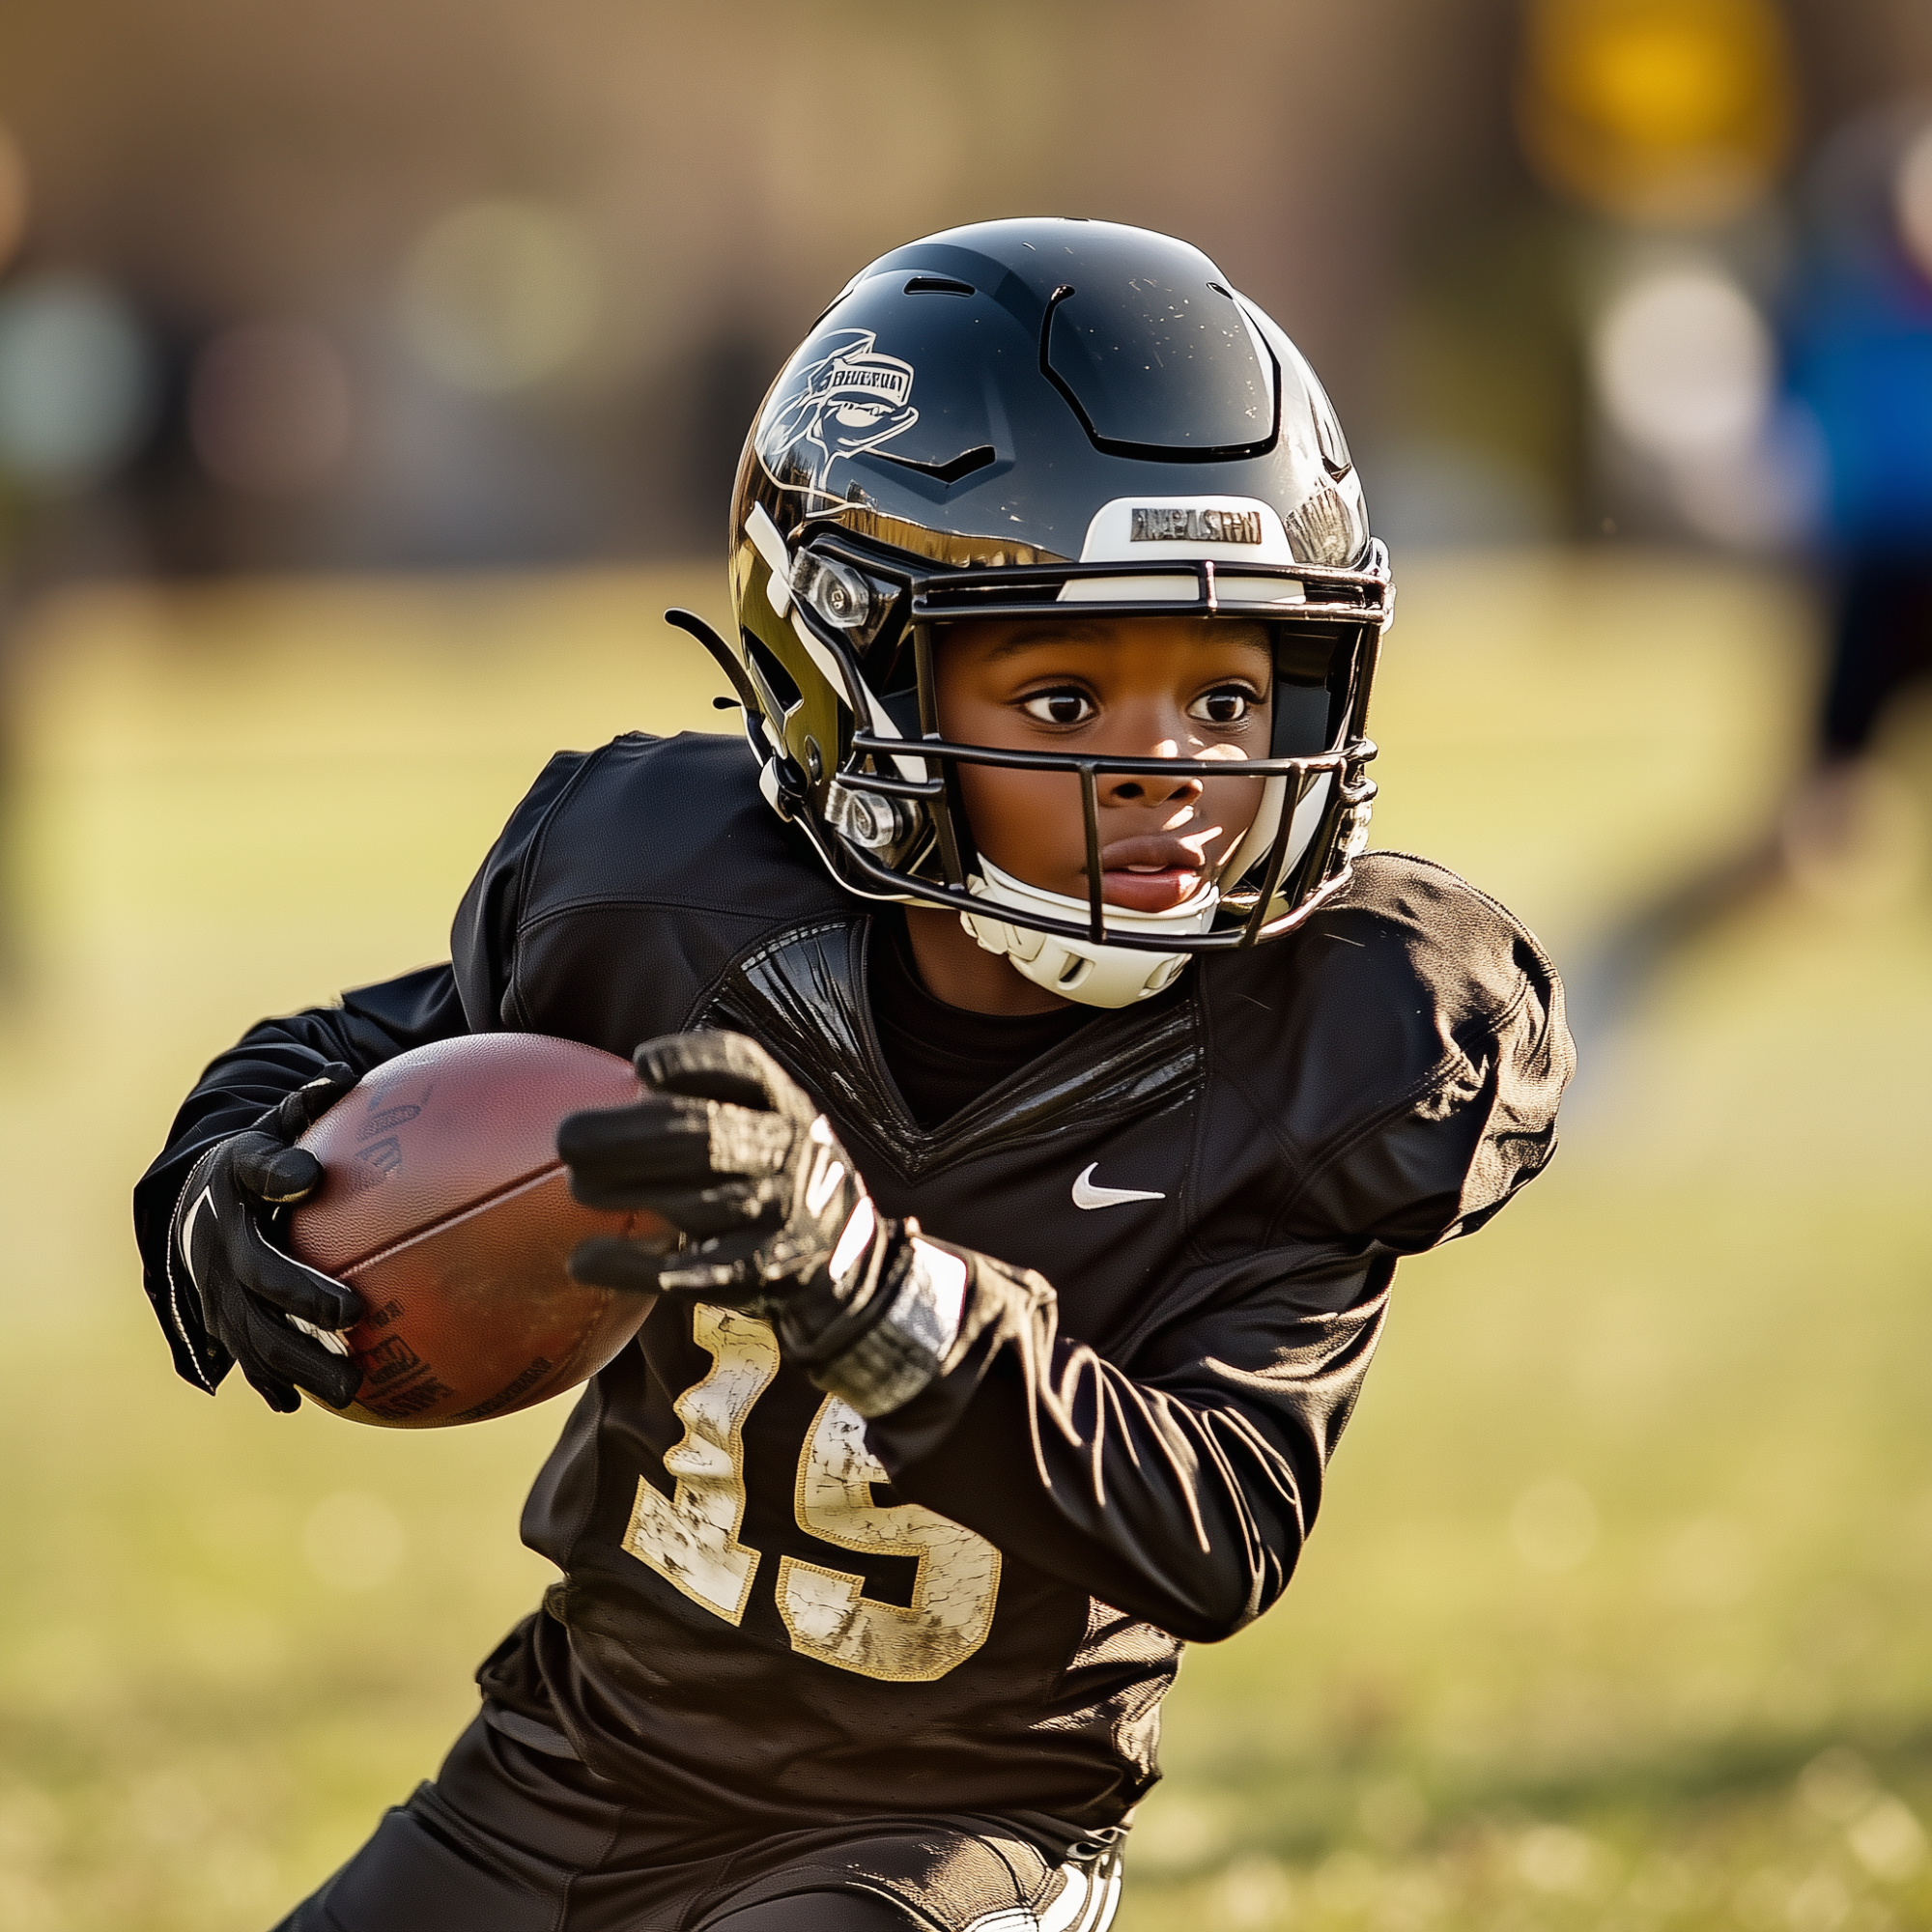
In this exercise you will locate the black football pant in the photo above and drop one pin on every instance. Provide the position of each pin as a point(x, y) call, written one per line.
point(512, 1840)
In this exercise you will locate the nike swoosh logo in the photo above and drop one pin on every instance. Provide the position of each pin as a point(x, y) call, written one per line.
point(1086, 1195)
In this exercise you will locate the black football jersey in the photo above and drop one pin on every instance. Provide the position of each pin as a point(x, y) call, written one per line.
point(974, 1602)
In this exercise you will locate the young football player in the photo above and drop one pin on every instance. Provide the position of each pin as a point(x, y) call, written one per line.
point(1045, 1084)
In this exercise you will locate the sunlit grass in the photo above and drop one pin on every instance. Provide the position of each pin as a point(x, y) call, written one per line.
point(1615, 1614)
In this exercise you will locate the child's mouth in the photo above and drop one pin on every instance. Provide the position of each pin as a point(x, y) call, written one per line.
point(1150, 889)
point(1148, 875)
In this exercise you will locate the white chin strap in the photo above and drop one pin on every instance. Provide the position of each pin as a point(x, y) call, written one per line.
point(1114, 976)
point(1077, 969)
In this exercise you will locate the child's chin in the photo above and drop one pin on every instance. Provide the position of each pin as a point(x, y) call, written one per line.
point(1149, 892)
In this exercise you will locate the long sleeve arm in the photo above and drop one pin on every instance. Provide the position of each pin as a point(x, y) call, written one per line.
point(1176, 1475)
point(370, 1026)
point(1180, 1491)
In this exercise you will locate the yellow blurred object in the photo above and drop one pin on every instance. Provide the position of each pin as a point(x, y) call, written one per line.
point(12, 196)
point(1666, 113)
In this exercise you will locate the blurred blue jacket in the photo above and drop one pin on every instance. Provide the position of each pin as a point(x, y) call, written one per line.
point(1861, 361)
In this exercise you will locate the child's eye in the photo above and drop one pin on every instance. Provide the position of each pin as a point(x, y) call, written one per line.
point(1059, 707)
point(1231, 704)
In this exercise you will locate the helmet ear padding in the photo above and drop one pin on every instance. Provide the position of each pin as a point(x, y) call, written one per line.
point(1253, 850)
point(902, 708)
point(1303, 716)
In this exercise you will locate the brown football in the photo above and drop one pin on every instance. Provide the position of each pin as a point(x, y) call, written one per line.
point(444, 1205)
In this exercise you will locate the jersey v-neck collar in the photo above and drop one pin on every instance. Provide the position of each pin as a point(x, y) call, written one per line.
point(804, 993)
point(941, 1058)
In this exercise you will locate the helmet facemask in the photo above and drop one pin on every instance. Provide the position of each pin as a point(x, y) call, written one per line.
point(867, 774)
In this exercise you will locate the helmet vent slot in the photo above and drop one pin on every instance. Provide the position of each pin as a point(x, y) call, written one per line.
point(949, 471)
point(938, 285)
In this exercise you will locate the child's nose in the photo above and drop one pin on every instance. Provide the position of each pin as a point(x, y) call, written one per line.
point(1147, 791)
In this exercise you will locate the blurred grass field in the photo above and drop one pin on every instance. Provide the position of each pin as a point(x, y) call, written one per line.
point(1616, 1614)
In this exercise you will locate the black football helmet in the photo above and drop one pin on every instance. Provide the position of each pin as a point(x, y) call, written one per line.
point(1011, 419)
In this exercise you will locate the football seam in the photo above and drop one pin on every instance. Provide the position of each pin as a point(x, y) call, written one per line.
point(467, 1212)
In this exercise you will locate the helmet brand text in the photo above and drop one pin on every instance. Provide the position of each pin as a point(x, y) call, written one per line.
point(1230, 526)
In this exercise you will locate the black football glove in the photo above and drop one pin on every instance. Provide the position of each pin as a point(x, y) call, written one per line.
point(775, 1220)
point(734, 1154)
point(251, 1293)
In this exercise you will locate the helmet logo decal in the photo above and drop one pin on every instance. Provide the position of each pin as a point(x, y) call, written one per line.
point(1191, 525)
point(850, 399)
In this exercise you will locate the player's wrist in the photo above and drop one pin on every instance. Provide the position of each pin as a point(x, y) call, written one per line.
point(881, 1331)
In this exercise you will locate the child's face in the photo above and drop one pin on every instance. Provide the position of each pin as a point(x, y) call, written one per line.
point(1133, 687)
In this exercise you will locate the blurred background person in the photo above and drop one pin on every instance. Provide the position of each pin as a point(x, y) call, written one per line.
point(1861, 363)
point(1761, 364)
